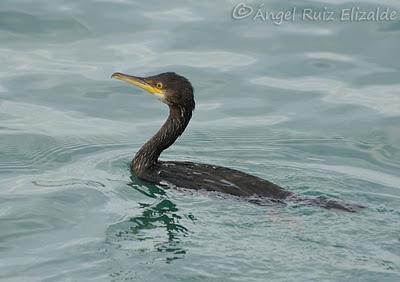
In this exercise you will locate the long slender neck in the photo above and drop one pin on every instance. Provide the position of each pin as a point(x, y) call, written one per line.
point(173, 127)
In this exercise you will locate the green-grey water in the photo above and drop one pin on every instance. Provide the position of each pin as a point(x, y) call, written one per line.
point(313, 106)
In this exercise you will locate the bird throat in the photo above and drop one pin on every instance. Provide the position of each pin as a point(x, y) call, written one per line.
point(173, 127)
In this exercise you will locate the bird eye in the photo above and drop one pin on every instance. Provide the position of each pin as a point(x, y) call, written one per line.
point(159, 85)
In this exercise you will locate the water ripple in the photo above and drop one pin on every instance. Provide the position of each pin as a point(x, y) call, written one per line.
point(338, 92)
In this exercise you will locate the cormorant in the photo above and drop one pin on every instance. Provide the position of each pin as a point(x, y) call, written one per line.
point(177, 92)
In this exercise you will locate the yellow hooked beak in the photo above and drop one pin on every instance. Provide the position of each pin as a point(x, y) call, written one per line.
point(139, 82)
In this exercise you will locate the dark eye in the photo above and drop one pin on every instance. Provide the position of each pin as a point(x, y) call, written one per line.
point(159, 85)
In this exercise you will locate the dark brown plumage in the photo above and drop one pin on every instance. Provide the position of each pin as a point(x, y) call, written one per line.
point(177, 92)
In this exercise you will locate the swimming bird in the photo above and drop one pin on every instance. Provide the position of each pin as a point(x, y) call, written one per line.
point(177, 93)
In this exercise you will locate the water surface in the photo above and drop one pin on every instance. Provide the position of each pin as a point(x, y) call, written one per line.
point(312, 106)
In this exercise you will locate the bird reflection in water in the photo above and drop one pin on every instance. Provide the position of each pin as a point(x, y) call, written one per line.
point(164, 215)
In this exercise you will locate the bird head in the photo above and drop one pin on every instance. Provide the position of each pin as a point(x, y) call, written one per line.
point(169, 87)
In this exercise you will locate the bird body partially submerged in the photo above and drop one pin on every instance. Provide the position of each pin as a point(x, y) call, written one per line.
point(213, 178)
point(177, 92)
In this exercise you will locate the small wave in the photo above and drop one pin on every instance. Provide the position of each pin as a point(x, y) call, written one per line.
point(67, 182)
